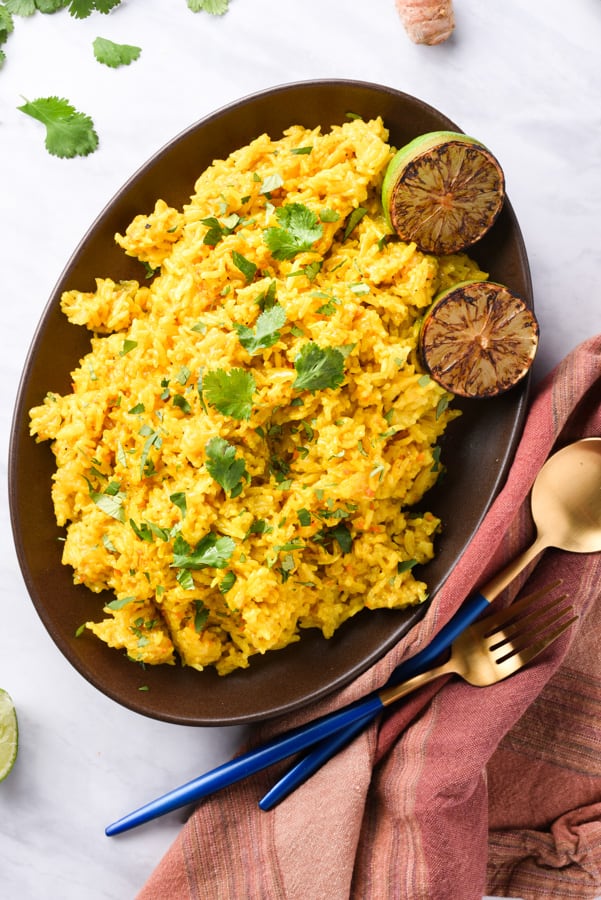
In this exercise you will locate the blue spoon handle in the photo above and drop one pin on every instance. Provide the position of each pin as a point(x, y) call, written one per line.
point(467, 613)
point(248, 763)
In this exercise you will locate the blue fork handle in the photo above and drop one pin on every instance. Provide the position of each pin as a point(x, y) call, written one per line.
point(328, 747)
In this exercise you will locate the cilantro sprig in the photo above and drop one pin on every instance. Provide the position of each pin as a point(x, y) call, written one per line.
point(297, 230)
point(224, 466)
point(318, 368)
point(266, 333)
point(68, 132)
point(211, 551)
point(114, 55)
point(230, 391)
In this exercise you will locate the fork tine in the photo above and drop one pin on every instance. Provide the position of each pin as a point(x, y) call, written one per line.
point(526, 654)
point(532, 622)
point(498, 619)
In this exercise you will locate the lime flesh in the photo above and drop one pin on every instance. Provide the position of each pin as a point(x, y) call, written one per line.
point(9, 734)
point(443, 191)
point(478, 339)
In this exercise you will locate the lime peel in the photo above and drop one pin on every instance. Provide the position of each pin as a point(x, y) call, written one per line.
point(9, 734)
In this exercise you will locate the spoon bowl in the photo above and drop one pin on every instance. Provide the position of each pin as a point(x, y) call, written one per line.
point(566, 507)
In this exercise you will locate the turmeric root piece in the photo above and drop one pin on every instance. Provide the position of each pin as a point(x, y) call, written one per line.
point(427, 21)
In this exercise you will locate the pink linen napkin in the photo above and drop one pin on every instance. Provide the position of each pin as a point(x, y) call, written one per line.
point(460, 791)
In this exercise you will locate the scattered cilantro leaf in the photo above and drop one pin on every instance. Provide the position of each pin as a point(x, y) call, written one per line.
point(211, 551)
point(318, 368)
point(201, 615)
point(246, 266)
point(339, 533)
point(81, 9)
point(271, 183)
point(120, 602)
point(212, 7)
point(223, 465)
point(298, 230)
point(227, 583)
point(114, 55)
point(353, 220)
point(69, 133)
point(19, 7)
point(230, 392)
point(179, 498)
point(266, 333)
point(406, 565)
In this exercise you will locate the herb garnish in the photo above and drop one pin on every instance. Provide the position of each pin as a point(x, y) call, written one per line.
point(114, 55)
point(68, 132)
point(223, 465)
point(266, 333)
point(211, 551)
point(318, 368)
point(298, 230)
point(230, 392)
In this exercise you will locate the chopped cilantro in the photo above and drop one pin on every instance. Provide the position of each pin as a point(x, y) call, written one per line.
point(271, 183)
point(329, 215)
point(127, 347)
point(217, 230)
point(223, 465)
point(120, 602)
point(304, 517)
point(405, 565)
point(201, 615)
point(210, 551)
point(266, 333)
point(212, 7)
point(110, 501)
point(114, 55)
point(180, 401)
point(353, 220)
point(179, 498)
point(246, 266)
point(68, 132)
point(302, 151)
point(318, 368)
point(227, 583)
point(341, 534)
point(230, 392)
point(81, 9)
point(298, 230)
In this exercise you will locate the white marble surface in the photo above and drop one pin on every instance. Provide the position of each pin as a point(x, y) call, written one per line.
point(523, 76)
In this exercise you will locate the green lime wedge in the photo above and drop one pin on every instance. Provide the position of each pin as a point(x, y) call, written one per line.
point(9, 734)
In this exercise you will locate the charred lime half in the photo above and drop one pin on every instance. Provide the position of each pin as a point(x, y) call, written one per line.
point(443, 191)
point(478, 339)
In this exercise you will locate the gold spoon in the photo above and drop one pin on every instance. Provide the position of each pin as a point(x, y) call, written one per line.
point(566, 508)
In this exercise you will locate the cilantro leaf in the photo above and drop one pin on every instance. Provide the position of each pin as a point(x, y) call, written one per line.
point(224, 467)
point(113, 55)
point(213, 7)
point(353, 220)
point(266, 333)
point(18, 8)
point(246, 266)
point(81, 9)
point(210, 551)
point(298, 230)
point(68, 132)
point(318, 368)
point(230, 392)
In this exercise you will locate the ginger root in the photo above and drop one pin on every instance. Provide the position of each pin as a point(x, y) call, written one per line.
point(427, 21)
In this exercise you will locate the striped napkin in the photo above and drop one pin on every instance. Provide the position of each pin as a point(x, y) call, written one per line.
point(458, 792)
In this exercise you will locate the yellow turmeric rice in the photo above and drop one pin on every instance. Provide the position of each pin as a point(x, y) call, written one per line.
point(244, 446)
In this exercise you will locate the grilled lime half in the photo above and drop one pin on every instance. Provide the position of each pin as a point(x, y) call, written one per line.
point(442, 191)
point(478, 339)
point(9, 734)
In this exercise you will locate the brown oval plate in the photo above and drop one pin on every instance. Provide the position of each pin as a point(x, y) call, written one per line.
point(482, 444)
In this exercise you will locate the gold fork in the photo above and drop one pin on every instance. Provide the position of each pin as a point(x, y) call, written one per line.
point(497, 646)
